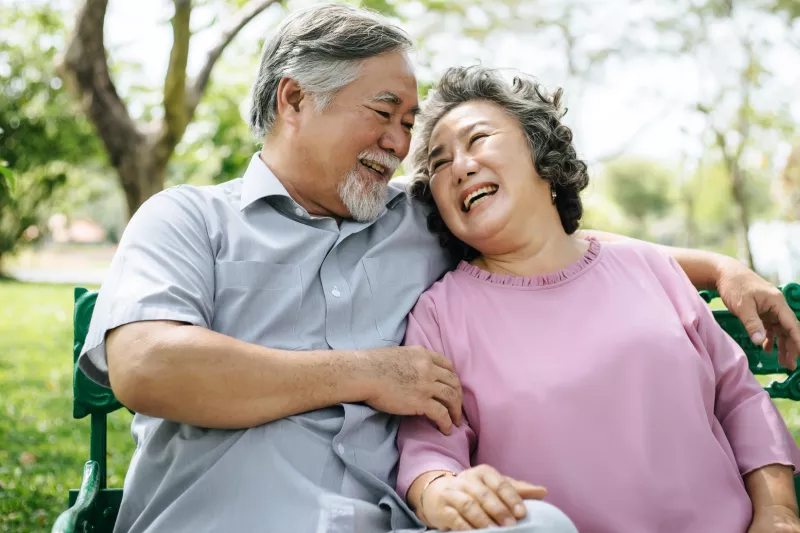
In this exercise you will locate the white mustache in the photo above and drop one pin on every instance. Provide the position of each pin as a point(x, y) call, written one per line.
point(384, 159)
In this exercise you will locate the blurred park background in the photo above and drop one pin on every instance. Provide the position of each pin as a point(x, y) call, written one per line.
point(688, 113)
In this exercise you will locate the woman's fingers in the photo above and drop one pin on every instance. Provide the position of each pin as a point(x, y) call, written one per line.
point(507, 496)
point(452, 520)
point(528, 491)
point(470, 509)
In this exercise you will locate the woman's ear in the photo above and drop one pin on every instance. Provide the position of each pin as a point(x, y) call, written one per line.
point(290, 97)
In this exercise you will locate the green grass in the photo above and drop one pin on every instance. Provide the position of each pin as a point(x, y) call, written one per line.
point(42, 448)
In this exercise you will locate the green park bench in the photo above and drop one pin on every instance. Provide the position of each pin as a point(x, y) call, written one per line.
point(93, 508)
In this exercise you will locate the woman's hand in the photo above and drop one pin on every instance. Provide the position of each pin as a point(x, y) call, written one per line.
point(762, 309)
point(774, 519)
point(476, 498)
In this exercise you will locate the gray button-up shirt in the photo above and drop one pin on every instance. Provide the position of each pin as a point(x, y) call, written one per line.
point(244, 259)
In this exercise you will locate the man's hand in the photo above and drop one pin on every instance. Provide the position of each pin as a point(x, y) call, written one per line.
point(411, 380)
point(762, 309)
point(477, 498)
point(774, 519)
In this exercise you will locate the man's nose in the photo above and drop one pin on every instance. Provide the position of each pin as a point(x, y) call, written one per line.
point(396, 141)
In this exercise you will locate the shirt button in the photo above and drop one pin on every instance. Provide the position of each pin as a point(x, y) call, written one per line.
point(335, 291)
point(340, 447)
point(298, 212)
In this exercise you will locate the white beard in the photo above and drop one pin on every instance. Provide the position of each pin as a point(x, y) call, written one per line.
point(364, 198)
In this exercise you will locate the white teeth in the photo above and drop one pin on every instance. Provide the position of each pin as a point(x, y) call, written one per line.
point(482, 190)
point(373, 166)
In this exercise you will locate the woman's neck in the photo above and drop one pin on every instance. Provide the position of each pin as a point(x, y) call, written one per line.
point(540, 255)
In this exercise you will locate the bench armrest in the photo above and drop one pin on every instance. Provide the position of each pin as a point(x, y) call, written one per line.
point(69, 520)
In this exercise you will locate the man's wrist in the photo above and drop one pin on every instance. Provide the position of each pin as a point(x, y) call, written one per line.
point(358, 378)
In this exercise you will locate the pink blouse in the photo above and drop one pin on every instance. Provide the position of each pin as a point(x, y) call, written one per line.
point(609, 383)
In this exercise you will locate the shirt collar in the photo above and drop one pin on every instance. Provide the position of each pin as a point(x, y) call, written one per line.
point(260, 182)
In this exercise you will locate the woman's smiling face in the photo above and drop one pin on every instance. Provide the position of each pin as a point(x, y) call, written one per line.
point(482, 176)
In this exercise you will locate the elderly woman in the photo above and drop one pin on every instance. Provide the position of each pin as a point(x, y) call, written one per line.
point(592, 369)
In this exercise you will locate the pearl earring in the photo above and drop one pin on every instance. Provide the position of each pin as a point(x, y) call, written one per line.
point(553, 194)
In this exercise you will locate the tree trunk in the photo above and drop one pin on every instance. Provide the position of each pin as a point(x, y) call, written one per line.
point(140, 153)
point(790, 182)
point(690, 225)
point(141, 174)
point(741, 213)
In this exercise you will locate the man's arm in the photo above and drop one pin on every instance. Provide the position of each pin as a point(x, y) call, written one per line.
point(151, 340)
point(757, 303)
point(200, 377)
point(203, 378)
point(701, 267)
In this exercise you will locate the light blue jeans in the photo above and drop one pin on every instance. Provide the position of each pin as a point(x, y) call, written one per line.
point(542, 517)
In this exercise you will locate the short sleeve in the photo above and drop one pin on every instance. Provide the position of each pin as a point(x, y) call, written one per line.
point(422, 446)
point(163, 270)
point(753, 425)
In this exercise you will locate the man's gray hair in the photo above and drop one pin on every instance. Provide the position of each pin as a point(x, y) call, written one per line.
point(321, 48)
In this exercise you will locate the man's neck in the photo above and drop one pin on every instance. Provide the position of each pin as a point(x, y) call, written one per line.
point(274, 156)
point(548, 250)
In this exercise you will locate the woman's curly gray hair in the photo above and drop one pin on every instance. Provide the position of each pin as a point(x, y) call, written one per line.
point(538, 114)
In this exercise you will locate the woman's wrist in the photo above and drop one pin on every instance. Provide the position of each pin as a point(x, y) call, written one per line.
point(772, 486)
point(420, 488)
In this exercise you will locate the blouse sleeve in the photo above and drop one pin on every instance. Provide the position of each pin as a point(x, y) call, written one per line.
point(753, 425)
point(422, 446)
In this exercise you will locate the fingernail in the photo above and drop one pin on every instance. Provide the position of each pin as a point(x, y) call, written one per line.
point(519, 509)
point(508, 522)
point(758, 337)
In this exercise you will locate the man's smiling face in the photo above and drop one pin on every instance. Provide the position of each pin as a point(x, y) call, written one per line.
point(357, 142)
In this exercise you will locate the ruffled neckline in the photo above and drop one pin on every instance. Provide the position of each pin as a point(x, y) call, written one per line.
point(564, 275)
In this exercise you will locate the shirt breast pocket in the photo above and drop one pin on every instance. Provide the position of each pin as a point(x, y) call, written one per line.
point(259, 302)
point(395, 284)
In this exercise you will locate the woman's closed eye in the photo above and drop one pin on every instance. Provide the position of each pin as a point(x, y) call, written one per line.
point(477, 137)
point(437, 164)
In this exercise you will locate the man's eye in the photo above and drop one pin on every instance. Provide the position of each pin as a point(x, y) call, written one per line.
point(384, 114)
point(408, 126)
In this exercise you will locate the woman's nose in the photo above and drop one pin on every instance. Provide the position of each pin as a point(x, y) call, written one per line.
point(464, 166)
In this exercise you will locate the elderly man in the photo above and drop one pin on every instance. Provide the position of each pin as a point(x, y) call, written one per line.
point(253, 326)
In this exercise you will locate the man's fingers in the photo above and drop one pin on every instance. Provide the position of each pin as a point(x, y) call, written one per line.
point(748, 314)
point(787, 352)
point(451, 398)
point(788, 322)
point(527, 491)
point(440, 416)
point(442, 361)
point(769, 344)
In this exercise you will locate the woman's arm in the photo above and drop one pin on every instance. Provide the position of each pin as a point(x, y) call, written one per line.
point(771, 489)
point(701, 267)
point(755, 429)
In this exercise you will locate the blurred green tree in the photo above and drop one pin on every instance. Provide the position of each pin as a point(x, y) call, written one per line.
point(42, 139)
point(141, 151)
point(642, 190)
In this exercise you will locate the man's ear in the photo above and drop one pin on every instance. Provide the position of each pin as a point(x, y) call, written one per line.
point(290, 97)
